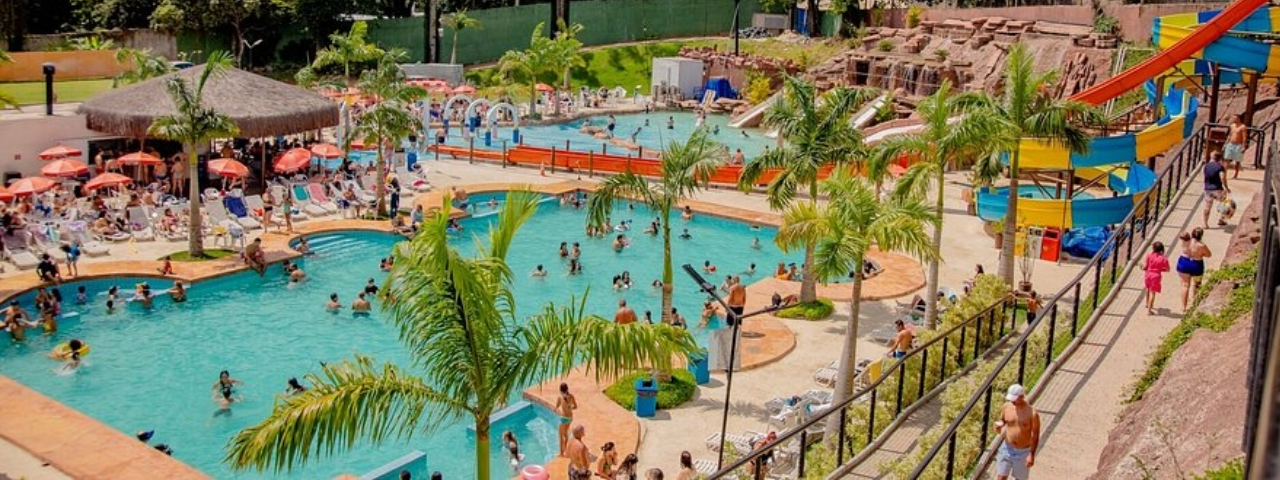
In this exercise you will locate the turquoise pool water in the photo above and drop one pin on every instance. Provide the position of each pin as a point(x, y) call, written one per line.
point(652, 137)
point(153, 369)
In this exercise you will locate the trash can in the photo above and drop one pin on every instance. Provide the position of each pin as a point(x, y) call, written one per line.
point(646, 397)
point(410, 159)
point(1051, 245)
point(515, 136)
point(1035, 237)
point(700, 368)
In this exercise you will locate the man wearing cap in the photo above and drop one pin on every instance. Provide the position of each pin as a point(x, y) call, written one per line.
point(1019, 426)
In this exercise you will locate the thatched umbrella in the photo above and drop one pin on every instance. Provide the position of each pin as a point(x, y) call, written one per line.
point(260, 106)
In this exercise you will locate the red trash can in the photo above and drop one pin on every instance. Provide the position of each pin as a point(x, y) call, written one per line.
point(1051, 245)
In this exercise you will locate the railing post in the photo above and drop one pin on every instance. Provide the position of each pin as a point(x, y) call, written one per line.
point(1097, 282)
point(951, 456)
point(1053, 325)
point(902, 379)
point(553, 159)
point(840, 447)
point(960, 351)
point(1129, 249)
point(986, 417)
point(471, 150)
point(591, 164)
point(505, 159)
point(945, 340)
point(804, 442)
point(924, 371)
point(1075, 311)
point(871, 419)
point(1115, 259)
point(977, 339)
point(1022, 363)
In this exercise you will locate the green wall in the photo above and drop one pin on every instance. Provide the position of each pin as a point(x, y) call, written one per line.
point(604, 22)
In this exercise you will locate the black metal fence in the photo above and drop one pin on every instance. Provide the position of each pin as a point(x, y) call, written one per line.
point(1262, 422)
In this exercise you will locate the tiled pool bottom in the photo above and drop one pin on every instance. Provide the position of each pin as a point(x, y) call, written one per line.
point(153, 369)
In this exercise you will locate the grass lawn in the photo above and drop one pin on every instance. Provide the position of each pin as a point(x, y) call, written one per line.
point(816, 310)
point(632, 64)
point(32, 93)
point(670, 394)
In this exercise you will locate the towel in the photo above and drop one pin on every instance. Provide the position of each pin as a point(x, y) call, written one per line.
point(235, 205)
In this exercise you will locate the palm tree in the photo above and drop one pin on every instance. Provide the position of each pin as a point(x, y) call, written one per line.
point(1032, 113)
point(389, 120)
point(818, 135)
point(458, 22)
point(847, 227)
point(564, 54)
point(195, 124)
point(686, 167)
point(145, 65)
point(456, 314)
point(7, 99)
point(345, 50)
point(529, 63)
point(957, 129)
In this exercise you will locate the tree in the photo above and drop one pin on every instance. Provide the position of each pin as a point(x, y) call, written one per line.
point(686, 167)
point(529, 64)
point(818, 135)
point(389, 120)
point(458, 22)
point(95, 15)
point(240, 16)
point(847, 227)
point(565, 54)
point(456, 314)
point(195, 124)
point(958, 129)
point(1033, 113)
point(145, 65)
point(353, 48)
point(7, 99)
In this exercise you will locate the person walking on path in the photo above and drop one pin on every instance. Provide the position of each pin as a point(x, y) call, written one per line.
point(1156, 265)
point(1191, 262)
point(565, 405)
point(1233, 151)
point(1215, 186)
point(1019, 427)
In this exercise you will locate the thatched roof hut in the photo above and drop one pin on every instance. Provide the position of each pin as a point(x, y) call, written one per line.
point(260, 106)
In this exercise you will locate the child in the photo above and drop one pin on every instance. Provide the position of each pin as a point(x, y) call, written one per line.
point(82, 295)
point(167, 268)
point(1033, 305)
point(1156, 265)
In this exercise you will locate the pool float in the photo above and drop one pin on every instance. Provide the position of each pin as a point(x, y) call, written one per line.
point(63, 351)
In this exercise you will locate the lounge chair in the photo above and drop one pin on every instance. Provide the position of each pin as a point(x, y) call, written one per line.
point(742, 443)
point(140, 225)
point(303, 200)
point(78, 233)
point(17, 254)
point(318, 198)
point(235, 206)
point(705, 467)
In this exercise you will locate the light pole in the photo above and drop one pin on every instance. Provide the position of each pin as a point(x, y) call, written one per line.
point(735, 323)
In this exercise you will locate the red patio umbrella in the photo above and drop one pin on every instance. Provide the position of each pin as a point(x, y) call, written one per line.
point(326, 150)
point(5, 195)
point(60, 151)
point(28, 186)
point(464, 89)
point(293, 160)
point(107, 180)
point(358, 144)
point(64, 168)
point(229, 168)
point(542, 87)
point(139, 158)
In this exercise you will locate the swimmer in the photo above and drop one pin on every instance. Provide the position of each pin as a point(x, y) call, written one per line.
point(620, 243)
point(617, 283)
point(224, 390)
point(333, 305)
point(360, 305)
point(676, 319)
point(744, 134)
point(657, 284)
point(709, 310)
point(538, 272)
point(626, 278)
point(576, 252)
point(648, 317)
point(113, 293)
point(564, 249)
point(385, 264)
point(82, 295)
point(371, 287)
point(685, 235)
point(297, 275)
point(293, 388)
point(111, 306)
point(708, 267)
point(715, 129)
point(671, 123)
point(575, 267)
point(750, 270)
point(755, 244)
point(687, 213)
point(178, 293)
point(143, 295)
point(303, 247)
point(653, 227)
point(75, 350)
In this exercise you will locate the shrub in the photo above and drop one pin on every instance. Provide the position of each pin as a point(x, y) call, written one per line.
point(914, 13)
point(758, 89)
point(815, 310)
point(885, 45)
point(670, 394)
point(942, 54)
point(1232, 470)
point(1104, 23)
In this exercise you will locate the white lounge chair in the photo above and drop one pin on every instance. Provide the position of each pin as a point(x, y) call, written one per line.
point(303, 200)
point(23, 259)
point(320, 199)
point(233, 203)
point(705, 467)
point(742, 443)
point(140, 225)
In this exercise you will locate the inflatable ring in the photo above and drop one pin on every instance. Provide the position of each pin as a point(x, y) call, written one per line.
point(63, 351)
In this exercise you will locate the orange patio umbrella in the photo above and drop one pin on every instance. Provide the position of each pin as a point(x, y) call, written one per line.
point(326, 150)
point(293, 160)
point(229, 168)
point(64, 168)
point(60, 151)
point(358, 144)
point(542, 87)
point(139, 158)
point(107, 180)
point(28, 186)
point(5, 195)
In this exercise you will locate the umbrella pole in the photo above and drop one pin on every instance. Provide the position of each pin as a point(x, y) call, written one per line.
point(263, 142)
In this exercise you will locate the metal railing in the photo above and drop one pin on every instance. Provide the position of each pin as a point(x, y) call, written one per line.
point(891, 396)
point(1262, 421)
point(1067, 315)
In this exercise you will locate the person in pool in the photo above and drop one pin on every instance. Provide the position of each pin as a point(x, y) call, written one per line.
point(656, 284)
point(360, 305)
point(671, 123)
point(685, 235)
point(564, 249)
point(755, 244)
point(566, 403)
point(708, 267)
point(653, 227)
point(371, 287)
point(538, 271)
point(626, 278)
point(178, 293)
point(512, 446)
point(751, 270)
point(224, 390)
point(293, 388)
point(143, 295)
point(575, 266)
point(576, 252)
point(385, 264)
point(620, 243)
point(82, 295)
point(333, 305)
point(303, 248)
point(687, 213)
point(676, 319)
point(296, 275)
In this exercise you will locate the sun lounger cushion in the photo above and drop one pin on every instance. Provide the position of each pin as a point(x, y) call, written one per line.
point(23, 259)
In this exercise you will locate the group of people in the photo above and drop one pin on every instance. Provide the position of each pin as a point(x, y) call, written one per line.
point(572, 440)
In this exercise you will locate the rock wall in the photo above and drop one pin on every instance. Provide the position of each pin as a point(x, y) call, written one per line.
point(724, 64)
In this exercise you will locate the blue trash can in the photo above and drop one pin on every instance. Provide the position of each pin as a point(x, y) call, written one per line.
point(488, 138)
point(646, 398)
point(410, 159)
point(700, 368)
point(515, 136)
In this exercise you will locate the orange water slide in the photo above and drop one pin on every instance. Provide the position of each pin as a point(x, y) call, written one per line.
point(1167, 59)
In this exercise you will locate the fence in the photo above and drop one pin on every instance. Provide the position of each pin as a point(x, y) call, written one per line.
point(604, 22)
point(1054, 333)
point(1262, 425)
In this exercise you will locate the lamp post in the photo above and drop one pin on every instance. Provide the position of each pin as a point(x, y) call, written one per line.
point(49, 69)
point(735, 323)
point(250, 46)
point(736, 5)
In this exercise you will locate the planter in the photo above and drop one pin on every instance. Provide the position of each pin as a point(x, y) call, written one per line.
point(1024, 286)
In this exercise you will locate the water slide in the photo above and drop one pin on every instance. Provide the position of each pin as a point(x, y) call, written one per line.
point(754, 115)
point(868, 112)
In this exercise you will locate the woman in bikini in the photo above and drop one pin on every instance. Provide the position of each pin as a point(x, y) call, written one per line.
point(1191, 262)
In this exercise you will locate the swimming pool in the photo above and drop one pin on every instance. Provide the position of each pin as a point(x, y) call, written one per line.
point(153, 369)
point(655, 136)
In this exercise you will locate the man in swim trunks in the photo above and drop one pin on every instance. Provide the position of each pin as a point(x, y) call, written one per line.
point(565, 405)
point(360, 305)
point(1215, 186)
point(1233, 151)
point(254, 256)
point(1019, 426)
point(613, 123)
point(737, 301)
point(901, 340)
point(579, 456)
point(625, 315)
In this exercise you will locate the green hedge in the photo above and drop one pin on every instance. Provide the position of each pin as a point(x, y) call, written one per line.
point(670, 394)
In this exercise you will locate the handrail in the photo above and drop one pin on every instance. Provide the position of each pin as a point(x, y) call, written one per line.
point(1002, 304)
point(1177, 173)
